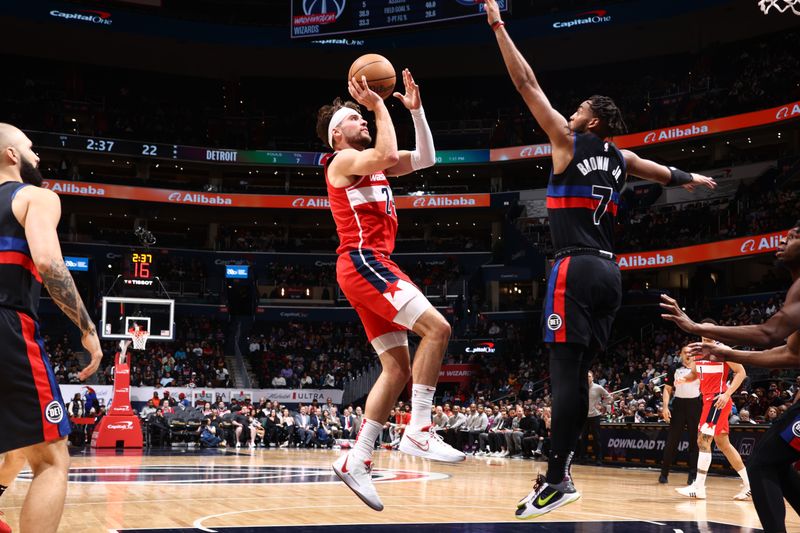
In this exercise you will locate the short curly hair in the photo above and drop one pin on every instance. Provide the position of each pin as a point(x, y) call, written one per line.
point(607, 111)
point(325, 114)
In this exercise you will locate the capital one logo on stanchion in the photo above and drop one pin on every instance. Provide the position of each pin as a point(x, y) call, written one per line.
point(782, 6)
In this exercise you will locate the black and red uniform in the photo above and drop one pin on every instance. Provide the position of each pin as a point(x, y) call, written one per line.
point(33, 410)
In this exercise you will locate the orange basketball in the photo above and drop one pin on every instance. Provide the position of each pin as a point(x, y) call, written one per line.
point(378, 71)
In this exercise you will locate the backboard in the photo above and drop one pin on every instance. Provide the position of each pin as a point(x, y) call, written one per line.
point(121, 315)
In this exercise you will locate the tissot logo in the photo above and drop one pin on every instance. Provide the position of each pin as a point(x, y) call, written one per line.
point(85, 15)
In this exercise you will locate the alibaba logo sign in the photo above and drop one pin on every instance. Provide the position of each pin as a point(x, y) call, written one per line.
point(748, 246)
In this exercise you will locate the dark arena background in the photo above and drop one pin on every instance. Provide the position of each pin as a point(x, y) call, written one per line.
point(180, 138)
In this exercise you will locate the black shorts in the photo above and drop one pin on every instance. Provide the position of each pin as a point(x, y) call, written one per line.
point(584, 293)
point(33, 410)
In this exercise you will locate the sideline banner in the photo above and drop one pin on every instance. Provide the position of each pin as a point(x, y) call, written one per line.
point(664, 135)
point(714, 251)
point(143, 394)
point(463, 374)
point(262, 201)
point(643, 444)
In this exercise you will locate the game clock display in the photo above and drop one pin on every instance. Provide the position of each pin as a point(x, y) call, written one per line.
point(139, 270)
point(313, 18)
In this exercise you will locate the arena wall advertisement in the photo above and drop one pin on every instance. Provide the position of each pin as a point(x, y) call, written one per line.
point(643, 444)
point(143, 394)
point(664, 135)
point(143, 194)
point(714, 251)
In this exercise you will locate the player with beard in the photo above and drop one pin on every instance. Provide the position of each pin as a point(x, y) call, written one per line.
point(30, 256)
point(384, 297)
point(770, 467)
point(584, 289)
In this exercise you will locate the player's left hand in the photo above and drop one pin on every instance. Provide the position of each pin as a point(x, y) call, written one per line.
point(722, 400)
point(673, 312)
point(492, 10)
point(710, 351)
point(698, 180)
point(411, 99)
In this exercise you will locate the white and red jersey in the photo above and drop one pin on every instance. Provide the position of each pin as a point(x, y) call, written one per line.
point(713, 378)
point(364, 212)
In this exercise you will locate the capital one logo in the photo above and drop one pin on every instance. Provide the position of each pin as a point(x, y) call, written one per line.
point(419, 202)
point(299, 202)
point(174, 197)
point(748, 246)
point(124, 426)
point(319, 7)
point(650, 137)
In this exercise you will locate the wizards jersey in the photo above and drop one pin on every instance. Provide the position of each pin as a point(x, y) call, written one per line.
point(713, 378)
point(582, 201)
point(364, 212)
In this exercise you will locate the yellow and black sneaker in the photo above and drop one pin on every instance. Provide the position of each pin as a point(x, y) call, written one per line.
point(545, 497)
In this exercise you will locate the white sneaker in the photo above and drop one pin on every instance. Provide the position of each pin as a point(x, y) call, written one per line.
point(358, 477)
point(429, 445)
point(693, 491)
point(238, 445)
point(743, 495)
point(505, 454)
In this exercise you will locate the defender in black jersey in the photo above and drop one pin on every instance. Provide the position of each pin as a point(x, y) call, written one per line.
point(584, 289)
point(33, 419)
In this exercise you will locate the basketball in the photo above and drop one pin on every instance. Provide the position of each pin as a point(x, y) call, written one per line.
point(379, 72)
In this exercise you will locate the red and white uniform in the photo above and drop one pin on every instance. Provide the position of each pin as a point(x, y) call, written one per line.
point(713, 382)
point(384, 297)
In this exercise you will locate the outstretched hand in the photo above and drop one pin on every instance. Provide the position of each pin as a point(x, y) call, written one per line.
point(672, 311)
point(411, 98)
point(710, 351)
point(492, 10)
point(698, 180)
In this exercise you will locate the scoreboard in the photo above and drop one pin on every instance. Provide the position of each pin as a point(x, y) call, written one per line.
point(139, 270)
point(315, 18)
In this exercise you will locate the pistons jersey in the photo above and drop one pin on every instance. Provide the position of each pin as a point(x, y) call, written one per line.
point(364, 212)
point(713, 378)
point(582, 201)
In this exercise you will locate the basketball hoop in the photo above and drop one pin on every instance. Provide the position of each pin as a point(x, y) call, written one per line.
point(782, 6)
point(139, 339)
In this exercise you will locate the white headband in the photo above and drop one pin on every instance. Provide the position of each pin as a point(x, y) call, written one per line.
point(337, 119)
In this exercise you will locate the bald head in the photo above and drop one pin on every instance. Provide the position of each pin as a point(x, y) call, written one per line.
point(18, 162)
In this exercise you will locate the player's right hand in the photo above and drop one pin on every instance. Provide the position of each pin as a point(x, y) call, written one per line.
point(672, 311)
point(91, 344)
point(492, 11)
point(698, 180)
point(710, 351)
point(666, 415)
point(362, 94)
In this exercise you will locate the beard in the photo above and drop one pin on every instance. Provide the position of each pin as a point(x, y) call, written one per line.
point(360, 140)
point(29, 173)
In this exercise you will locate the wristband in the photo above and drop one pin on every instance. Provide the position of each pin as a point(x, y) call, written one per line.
point(497, 24)
point(679, 177)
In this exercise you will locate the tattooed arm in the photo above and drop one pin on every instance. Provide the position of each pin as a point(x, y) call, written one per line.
point(41, 221)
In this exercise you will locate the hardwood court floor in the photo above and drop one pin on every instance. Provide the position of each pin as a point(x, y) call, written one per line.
point(212, 489)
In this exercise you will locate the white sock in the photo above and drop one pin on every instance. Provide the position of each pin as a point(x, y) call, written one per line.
point(365, 441)
point(421, 402)
point(703, 463)
point(743, 474)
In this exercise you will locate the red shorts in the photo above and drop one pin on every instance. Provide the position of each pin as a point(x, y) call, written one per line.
point(384, 297)
point(714, 421)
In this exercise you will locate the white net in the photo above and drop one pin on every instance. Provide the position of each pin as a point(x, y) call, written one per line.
point(140, 340)
point(782, 6)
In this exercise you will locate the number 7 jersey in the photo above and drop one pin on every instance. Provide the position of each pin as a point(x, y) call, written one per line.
point(364, 212)
point(582, 201)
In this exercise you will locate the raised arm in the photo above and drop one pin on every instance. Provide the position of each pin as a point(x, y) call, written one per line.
point(551, 121)
point(424, 155)
point(41, 220)
point(652, 171)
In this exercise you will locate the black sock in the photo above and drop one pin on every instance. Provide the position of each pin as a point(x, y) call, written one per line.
point(2, 489)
